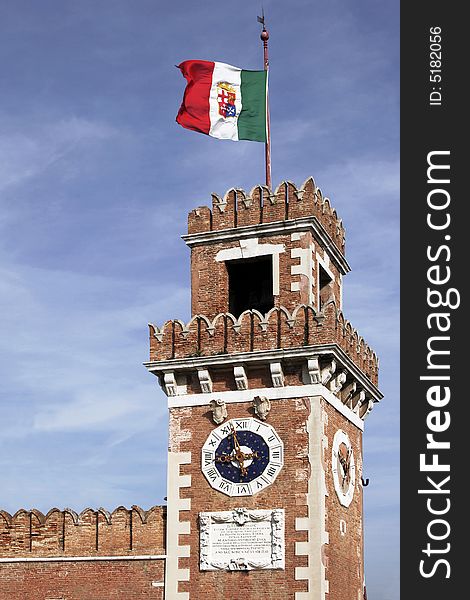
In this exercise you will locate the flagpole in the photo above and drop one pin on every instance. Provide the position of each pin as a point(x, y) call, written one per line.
point(264, 38)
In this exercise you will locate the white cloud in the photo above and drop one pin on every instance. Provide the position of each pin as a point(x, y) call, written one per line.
point(74, 344)
point(28, 151)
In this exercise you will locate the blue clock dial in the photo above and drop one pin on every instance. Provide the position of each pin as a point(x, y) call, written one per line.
point(242, 457)
point(255, 457)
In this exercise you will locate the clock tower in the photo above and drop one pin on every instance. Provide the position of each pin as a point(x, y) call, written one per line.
point(268, 386)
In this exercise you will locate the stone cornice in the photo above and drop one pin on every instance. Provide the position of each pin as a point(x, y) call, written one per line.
point(265, 357)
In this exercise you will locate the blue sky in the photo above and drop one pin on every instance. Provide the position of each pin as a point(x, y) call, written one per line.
point(96, 180)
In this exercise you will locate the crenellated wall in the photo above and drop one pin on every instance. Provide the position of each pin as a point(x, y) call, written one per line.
point(91, 533)
point(252, 331)
point(94, 555)
point(261, 205)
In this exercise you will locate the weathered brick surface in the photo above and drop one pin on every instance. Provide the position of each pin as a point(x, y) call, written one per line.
point(104, 580)
point(301, 318)
point(344, 553)
point(237, 208)
point(289, 492)
point(92, 533)
point(31, 535)
point(280, 329)
point(209, 277)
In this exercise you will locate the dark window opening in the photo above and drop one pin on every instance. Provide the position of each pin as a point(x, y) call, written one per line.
point(250, 284)
point(325, 286)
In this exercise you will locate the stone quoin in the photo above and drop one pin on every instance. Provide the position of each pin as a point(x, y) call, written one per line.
point(268, 386)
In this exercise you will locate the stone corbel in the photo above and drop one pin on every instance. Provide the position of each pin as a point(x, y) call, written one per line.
point(313, 370)
point(357, 400)
point(169, 383)
point(337, 383)
point(327, 372)
point(277, 374)
point(240, 378)
point(205, 381)
point(348, 392)
point(365, 408)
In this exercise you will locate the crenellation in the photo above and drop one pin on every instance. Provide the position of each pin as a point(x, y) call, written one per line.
point(266, 340)
point(90, 533)
point(301, 200)
point(200, 220)
point(249, 206)
point(251, 331)
point(262, 205)
point(224, 210)
point(275, 204)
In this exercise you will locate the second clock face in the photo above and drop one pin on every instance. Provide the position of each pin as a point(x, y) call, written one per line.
point(242, 456)
point(343, 467)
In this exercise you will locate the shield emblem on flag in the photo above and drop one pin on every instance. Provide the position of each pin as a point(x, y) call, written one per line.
point(226, 96)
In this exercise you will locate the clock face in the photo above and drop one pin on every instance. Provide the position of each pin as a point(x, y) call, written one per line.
point(343, 468)
point(242, 457)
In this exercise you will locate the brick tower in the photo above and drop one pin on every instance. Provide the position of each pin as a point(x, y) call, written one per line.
point(268, 387)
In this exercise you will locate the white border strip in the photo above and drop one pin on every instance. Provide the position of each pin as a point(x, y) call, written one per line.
point(175, 526)
point(314, 524)
point(273, 227)
point(81, 558)
point(291, 391)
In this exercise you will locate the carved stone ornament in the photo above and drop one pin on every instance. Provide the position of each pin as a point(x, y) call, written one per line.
point(262, 407)
point(242, 540)
point(241, 379)
point(219, 411)
point(170, 384)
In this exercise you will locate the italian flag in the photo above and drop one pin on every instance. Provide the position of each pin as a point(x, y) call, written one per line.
point(224, 101)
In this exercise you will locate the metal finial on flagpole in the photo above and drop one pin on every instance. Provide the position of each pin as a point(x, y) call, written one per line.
point(264, 38)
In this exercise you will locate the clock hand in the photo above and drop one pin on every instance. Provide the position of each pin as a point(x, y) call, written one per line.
point(239, 455)
point(235, 439)
point(224, 458)
point(341, 467)
point(345, 464)
point(251, 455)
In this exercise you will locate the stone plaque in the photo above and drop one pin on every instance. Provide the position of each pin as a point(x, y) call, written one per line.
point(242, 539)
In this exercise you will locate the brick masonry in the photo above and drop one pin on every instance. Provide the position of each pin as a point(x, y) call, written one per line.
point(289, 419)
point(320, 376)
point(117, 580)
point(93, 555)
point(217, 355)
point(343, 554)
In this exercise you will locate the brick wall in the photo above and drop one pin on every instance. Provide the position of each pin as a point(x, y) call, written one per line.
point(289, 491)
point(280, 329)
point(344, 553)
point(37, 554)
point(104, 580)
point(238, 209)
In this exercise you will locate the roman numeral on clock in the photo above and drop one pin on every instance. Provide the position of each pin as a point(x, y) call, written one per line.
point(226, 429)
point(271, 471)
point(213, 474)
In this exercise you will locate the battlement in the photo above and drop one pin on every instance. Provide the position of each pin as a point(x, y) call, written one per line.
point(30, 533)
point(253, 332)
point(261, 205)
